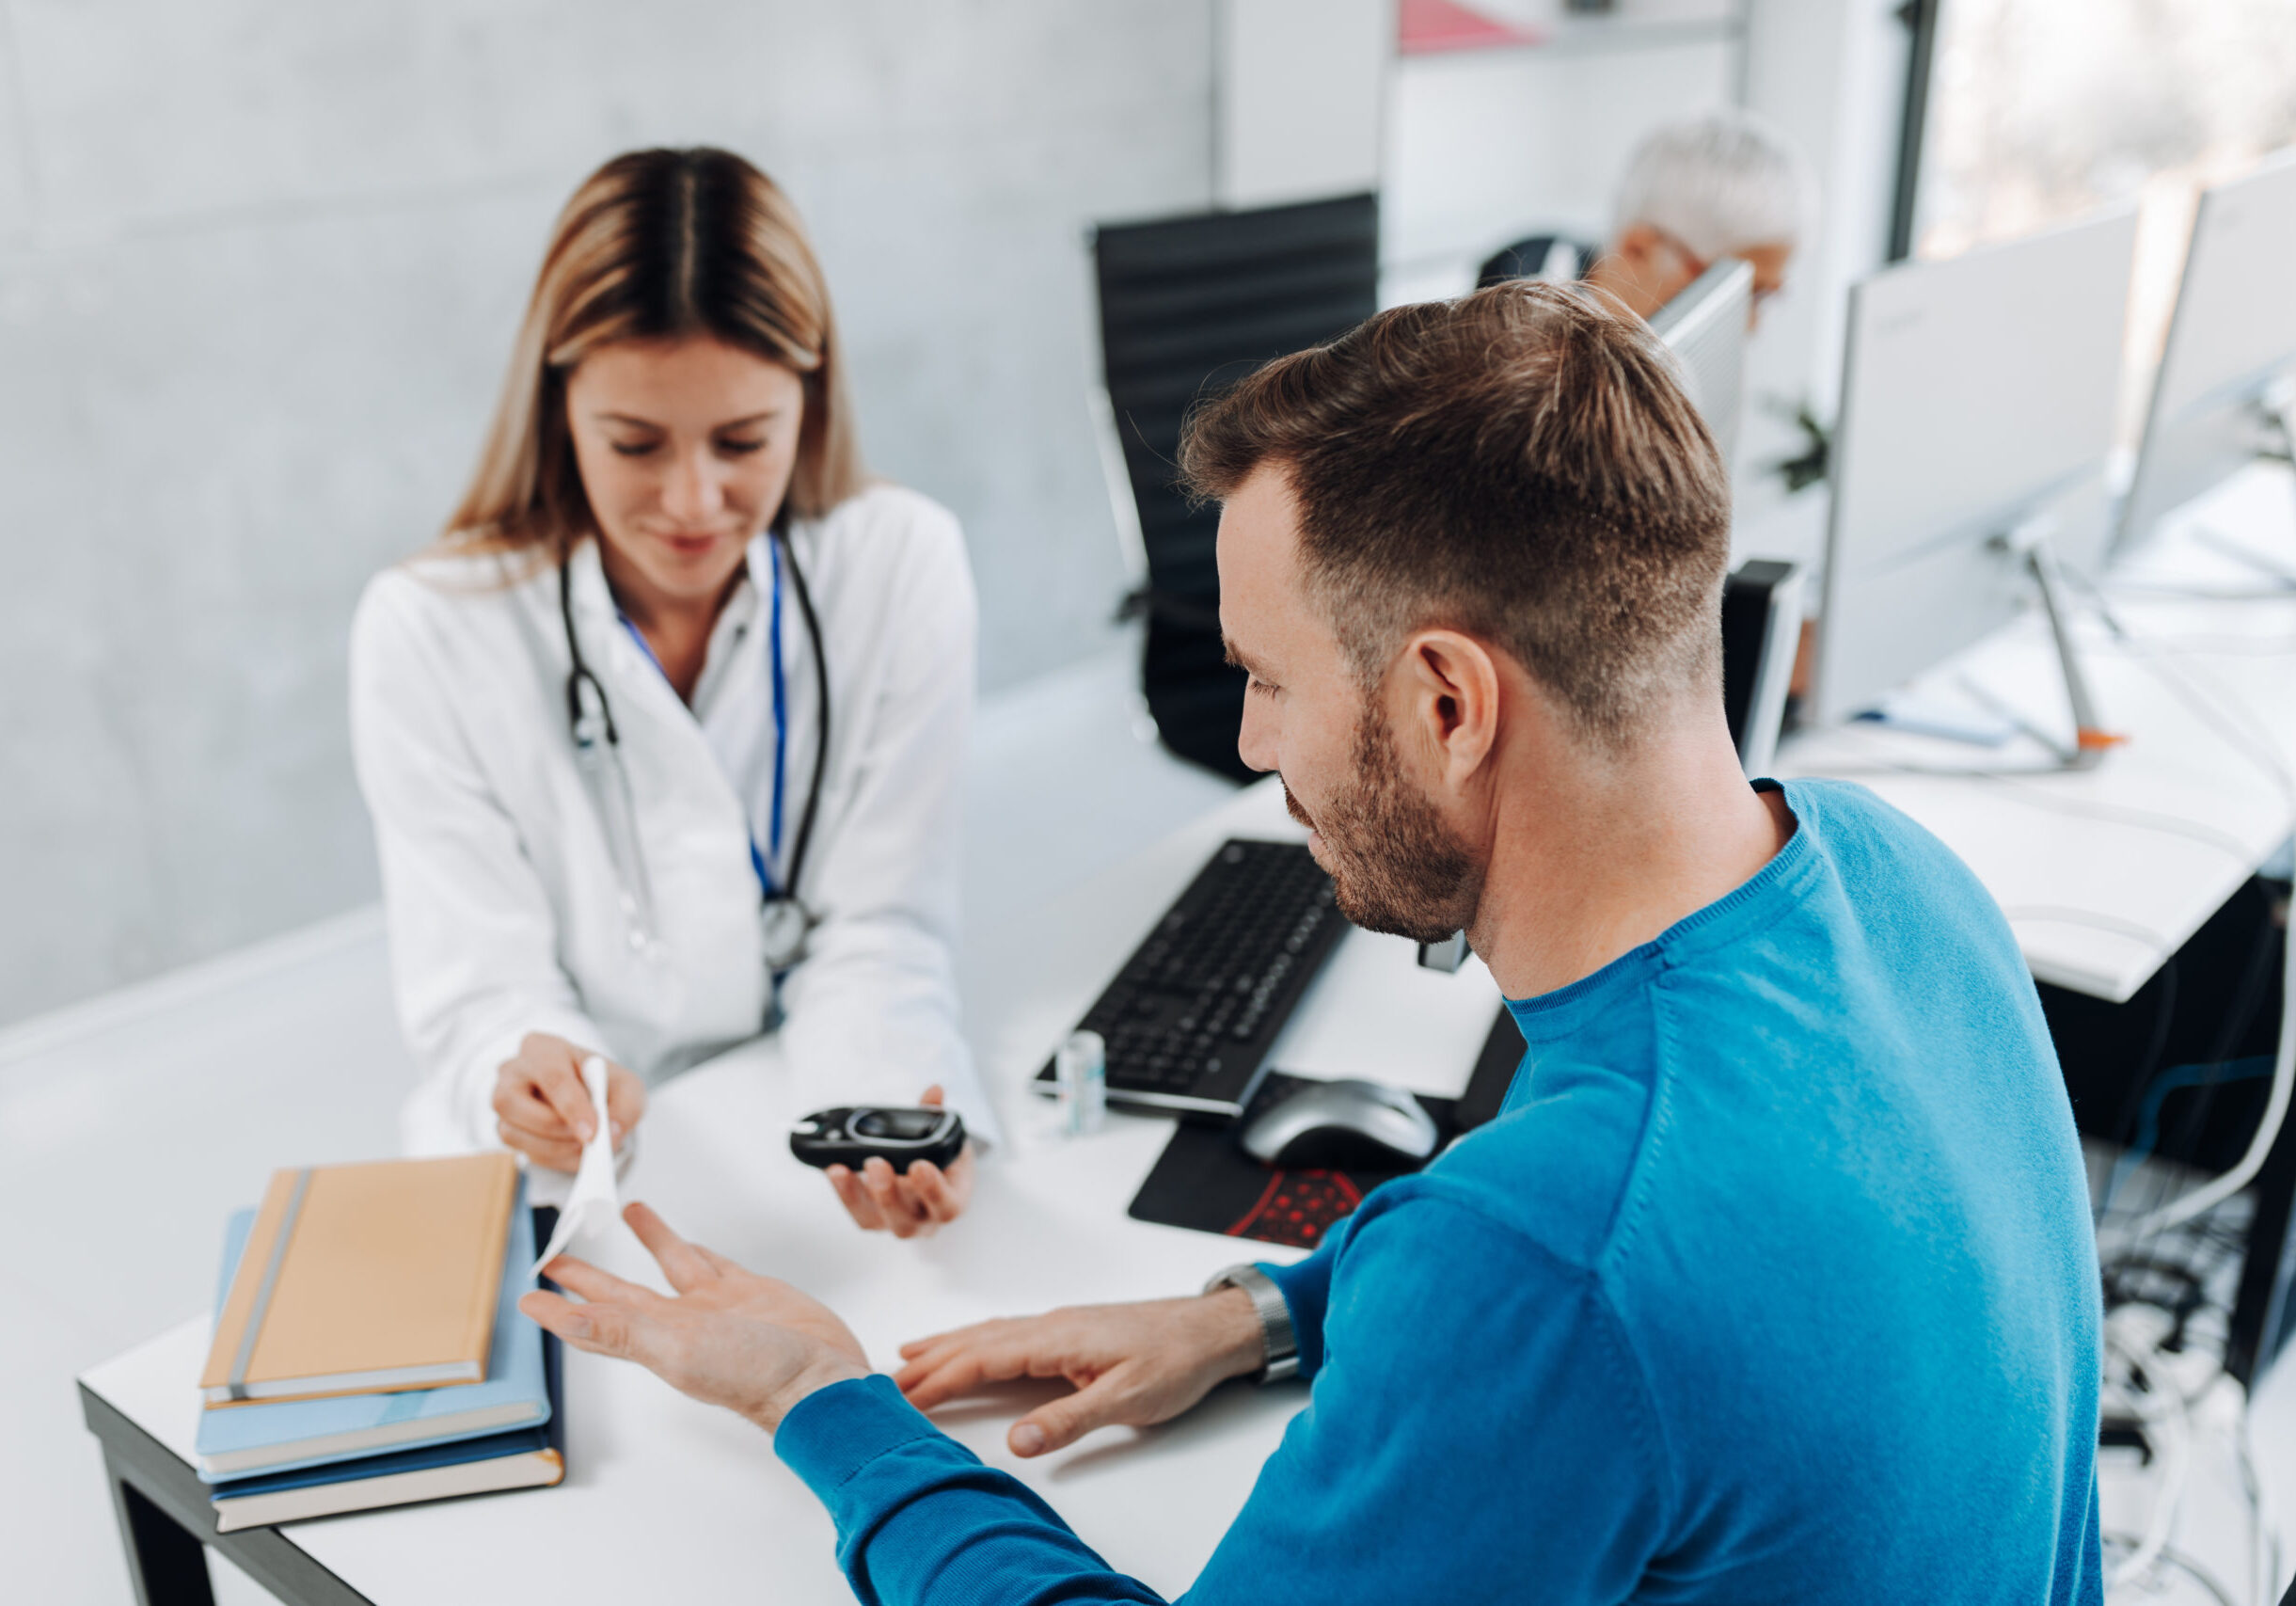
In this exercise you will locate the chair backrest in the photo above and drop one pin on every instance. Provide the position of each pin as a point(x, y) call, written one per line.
point(1188, 305)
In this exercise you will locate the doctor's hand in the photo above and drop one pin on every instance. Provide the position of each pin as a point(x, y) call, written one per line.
point(913, 1204)
point(1131, 1365)
point(544, 1111)
point(730, 1338)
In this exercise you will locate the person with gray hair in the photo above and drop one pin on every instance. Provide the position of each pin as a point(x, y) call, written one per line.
point(1726, 183)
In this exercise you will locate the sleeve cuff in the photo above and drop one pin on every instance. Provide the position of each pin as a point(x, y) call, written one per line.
point(833, 1433)
point(1306, 1287)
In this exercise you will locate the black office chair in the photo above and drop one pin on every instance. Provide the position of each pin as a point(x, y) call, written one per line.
point(1537, 256)
point(1188, 305)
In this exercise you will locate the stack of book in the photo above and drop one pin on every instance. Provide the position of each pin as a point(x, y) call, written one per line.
point(369, 1347)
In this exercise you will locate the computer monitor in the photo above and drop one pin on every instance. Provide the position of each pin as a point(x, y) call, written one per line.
point(2222, 390)
point(1762, 617)
point(1977, 402)
point(1705, 327)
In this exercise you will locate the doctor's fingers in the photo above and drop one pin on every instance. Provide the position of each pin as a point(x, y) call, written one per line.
point(541, 1096)
point(538, 1131)
point(904, 1213)
point(933, 1191)
point(556, 1079)
point(625, 1099)
point(553, 1153)
point(854, 1197)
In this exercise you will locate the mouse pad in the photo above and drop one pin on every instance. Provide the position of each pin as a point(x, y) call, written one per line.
point(1205, 1181)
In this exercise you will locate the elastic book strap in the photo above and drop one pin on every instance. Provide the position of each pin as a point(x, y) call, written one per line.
point(237, 1382)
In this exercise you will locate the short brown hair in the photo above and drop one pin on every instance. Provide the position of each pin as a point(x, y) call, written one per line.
point(658, 245)
point(1521, 464)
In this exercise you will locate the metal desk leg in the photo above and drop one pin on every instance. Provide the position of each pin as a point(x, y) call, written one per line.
point(167, 1566)
point(165, 1521)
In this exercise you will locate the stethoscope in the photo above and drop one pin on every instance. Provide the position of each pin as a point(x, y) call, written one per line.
point(783, 918)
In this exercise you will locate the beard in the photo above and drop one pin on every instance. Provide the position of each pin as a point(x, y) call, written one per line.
point(1395, 865)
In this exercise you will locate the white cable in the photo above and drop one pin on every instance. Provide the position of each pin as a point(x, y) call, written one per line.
point(2263, 1535)
point(2209, 1195)
point(2261, 748)
point(2255, 742)
point(2185, 1564)
point(2168, 1434)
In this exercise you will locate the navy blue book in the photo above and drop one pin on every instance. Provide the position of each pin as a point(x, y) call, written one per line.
point(527, 1458)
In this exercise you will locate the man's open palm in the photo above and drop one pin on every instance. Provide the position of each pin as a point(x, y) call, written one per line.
point(730, 1338)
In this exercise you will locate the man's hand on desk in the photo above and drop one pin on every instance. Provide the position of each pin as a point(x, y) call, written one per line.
point(544, 1111)
point(914, 1205)
point(1131, 1365)
point(730, 1338)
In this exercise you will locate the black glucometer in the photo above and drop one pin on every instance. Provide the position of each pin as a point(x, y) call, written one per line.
point(897, 1134)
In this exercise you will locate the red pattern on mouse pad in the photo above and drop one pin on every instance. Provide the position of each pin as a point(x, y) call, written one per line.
point(1297, 1208)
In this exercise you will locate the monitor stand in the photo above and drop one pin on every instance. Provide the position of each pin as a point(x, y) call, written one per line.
point(2278, 405)
point(2091, 739)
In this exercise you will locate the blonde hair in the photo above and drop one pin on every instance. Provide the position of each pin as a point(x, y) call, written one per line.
point(658, 244)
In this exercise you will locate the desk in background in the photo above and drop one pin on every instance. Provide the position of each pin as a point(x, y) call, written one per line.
point(2106, 873)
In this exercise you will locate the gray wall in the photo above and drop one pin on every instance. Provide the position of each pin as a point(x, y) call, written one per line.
point(259, 264)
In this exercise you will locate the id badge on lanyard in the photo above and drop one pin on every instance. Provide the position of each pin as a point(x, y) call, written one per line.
point(783, 921)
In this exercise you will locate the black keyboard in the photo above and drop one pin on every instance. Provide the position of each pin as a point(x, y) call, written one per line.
point(1191, 1016)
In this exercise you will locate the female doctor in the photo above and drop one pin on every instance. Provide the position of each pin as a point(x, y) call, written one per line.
point(663, 738)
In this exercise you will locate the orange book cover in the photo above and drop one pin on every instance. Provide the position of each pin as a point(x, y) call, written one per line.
point(366, 1278)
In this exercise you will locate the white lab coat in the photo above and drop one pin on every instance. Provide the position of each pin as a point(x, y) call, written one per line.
point(504, 902)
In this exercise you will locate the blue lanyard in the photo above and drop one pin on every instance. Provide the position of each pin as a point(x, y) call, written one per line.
point(780, 733)
point(759, 861)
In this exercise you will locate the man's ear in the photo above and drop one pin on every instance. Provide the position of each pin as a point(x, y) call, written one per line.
point(1446, 707)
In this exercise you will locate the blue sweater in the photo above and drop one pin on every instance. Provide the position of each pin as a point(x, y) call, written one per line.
point(1773, 1281)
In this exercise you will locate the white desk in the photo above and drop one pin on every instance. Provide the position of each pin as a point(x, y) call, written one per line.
point(692, 1498)
point(2106, 873)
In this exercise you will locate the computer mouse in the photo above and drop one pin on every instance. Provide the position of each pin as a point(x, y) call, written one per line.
point(1342, 1124)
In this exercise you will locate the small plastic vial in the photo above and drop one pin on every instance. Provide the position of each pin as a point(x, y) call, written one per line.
point(1080, 1075)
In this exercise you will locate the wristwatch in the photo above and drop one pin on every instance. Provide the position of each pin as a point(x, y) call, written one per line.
point(1280, 1345)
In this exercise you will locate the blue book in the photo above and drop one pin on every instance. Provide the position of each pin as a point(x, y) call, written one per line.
point(532, 1458)
point(283, 1436)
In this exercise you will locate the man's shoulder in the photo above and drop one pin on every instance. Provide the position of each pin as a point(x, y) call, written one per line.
point(1550, 1172)
point(1898, 880)
point(1864, 833)
point(1449, 1225)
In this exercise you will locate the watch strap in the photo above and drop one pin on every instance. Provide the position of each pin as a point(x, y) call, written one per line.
point(1280, 1349)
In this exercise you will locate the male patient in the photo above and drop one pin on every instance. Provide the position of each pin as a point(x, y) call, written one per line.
point(1773, 1281)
